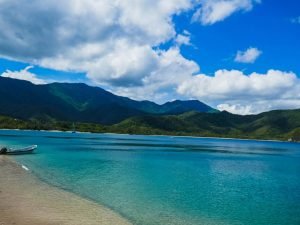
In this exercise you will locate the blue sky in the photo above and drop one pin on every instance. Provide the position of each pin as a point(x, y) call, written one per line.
point(236, 55)
point(268, 27)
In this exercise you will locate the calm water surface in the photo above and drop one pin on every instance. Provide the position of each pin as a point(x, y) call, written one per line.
point(155, 180)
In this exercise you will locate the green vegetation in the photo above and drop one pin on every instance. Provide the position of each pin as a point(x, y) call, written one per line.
point(57, 106)
point(274, 125)
point(80, 102)
point(34, 124)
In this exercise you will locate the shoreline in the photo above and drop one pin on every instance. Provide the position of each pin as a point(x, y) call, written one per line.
point(26, 200)
point(161, 135)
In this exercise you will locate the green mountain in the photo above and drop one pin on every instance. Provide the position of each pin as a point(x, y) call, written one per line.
point(79, 102)
point(56, 106)
point(280, 125)
point(274, 125)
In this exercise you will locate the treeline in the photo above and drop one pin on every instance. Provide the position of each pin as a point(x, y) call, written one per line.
point(35, 124)
point(275, 125)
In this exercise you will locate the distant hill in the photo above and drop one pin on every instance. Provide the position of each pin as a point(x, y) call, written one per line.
point(280, 125)
point(80, 102)
point(274, 125)
point(24, 105)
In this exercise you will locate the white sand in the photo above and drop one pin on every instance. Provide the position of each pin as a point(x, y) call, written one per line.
point(25, 200)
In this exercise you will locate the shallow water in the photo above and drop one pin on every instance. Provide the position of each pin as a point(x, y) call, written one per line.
point(171, 180)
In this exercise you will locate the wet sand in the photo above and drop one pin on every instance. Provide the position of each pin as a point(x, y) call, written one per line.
point(25, 200)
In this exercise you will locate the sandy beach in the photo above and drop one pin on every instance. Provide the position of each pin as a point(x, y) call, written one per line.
point(25, 200)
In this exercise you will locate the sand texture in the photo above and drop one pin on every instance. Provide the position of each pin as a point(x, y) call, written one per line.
point(25, 200)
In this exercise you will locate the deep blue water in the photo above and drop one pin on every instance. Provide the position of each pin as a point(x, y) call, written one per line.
point(171, 180)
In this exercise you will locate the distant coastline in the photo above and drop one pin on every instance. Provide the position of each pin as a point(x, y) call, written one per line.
point(99, 111)
point(281, 125)
point(157, 135)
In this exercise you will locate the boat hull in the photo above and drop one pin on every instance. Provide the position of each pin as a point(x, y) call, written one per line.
point(27, 150)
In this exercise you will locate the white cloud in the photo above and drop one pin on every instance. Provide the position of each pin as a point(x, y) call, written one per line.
point(110, 40)
point(115, 42)
point(126, 65)
point(23, 74)
point(236, 109)
point(172, 70)
point(212, 11)
point(247, 108)
point(248, 56)
point(245, 94)
point(296, 20)
point(183, 39)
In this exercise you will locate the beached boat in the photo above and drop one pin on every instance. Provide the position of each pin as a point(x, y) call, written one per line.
point(19, 151)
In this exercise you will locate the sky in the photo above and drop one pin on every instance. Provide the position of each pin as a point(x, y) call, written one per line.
point(242, 56)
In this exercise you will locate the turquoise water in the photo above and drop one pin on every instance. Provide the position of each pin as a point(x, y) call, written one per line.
point(155, 180)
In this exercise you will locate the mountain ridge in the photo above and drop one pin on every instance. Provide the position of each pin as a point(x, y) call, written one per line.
point(273, 125)
point(80, 102)
point(281, 125)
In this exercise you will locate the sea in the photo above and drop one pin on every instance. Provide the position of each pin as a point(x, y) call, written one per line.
point(166, 180)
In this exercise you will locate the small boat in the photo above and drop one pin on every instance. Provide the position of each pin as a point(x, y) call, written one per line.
point(19, 151)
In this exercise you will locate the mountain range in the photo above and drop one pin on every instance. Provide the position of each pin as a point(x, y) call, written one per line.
point(81, 103)
point(273, 125)
point(58, 106)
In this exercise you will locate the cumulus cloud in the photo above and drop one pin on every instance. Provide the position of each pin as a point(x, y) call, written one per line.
point(236, 109)
point(126, 65)
point(247, 108)
point(237, 92)
point(110, 40)
point(172, 70)
point(23, 74)
point(248, 56)
point(212, 11)
point(116, 44)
